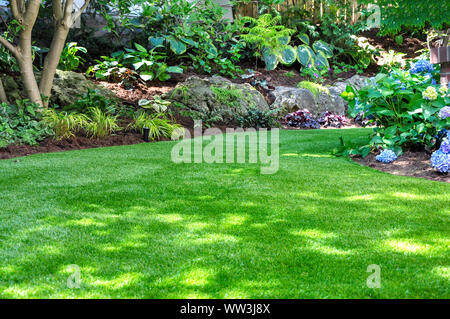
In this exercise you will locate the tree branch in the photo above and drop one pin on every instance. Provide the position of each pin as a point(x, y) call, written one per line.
point(15, 11)
point(79, 12)
point(57, 10)
point(9, 46)
point(31, 12)
point(67, 15)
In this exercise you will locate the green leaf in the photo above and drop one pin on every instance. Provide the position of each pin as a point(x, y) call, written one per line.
point(176, 46)
point(146, 76)
point(156, 41)
point(320, 46)
point(140, 48)
point(322, 61)
point(304, 38)
point(174, 69)
point(271, 60)
point(305, 55)
point(288, 55)
point(284, 40)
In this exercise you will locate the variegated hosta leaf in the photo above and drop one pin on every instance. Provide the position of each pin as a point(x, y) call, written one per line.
point(284, 40)
point(176, 46)
point(305, 55)
point(271, 60)
point(322, 61)
point(304, 38)
point(288, 55)
point(323, 47)
point(156, 42)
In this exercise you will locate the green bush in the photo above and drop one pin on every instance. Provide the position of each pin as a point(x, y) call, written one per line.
point(257, 118)
point(21, 123)
point(405, 108)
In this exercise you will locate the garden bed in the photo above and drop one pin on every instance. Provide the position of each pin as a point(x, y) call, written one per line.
point(50, 145)
point(416, 164)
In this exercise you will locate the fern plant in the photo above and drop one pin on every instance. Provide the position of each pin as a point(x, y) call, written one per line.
point(272, 42)
point(270, 39)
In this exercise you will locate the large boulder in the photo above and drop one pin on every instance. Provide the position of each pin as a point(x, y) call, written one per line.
point(67, 86)
point(214, 100)
point(290, 99)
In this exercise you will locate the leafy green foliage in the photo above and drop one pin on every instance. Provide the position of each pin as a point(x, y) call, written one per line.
point(21, 123)
point(158, 123)
point(396, 14)
point(70, 60)
point(100, 124)
point(93, 99)
point(257, 118)
point(397, 105)
point(269, 39)
point(7, 61)
point(64, 124)
point(147, 64)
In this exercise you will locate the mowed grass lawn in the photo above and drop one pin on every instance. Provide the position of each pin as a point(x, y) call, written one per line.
point(139, 226)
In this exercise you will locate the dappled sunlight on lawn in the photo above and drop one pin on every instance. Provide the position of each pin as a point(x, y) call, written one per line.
point(222, 230)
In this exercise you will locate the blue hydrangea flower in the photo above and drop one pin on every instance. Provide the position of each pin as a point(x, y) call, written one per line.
point(440, 161)
point(445, 146)
point(422, 66)
point(386, 156)
point(444, 112)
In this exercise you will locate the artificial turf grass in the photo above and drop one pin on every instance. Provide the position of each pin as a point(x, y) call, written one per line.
point(139, 225)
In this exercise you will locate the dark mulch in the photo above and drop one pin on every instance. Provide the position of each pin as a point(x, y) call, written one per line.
point(416, 164)
point(74, 143)
point(409, 46)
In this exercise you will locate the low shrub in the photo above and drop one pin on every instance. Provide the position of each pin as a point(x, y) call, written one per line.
point(301, 119)
point(21, 123)
point(405, 107)
point(257, 118)
point(330, 119)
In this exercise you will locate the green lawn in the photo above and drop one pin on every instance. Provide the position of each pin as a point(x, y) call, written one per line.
point(139, 225)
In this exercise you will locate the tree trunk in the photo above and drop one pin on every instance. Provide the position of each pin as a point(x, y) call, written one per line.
point(26, 68)
point(52, 60)
point(3, 97)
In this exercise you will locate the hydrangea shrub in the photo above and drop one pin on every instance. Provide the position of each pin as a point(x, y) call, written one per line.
point(386, 156)
point(440, 158)
point(407, 109)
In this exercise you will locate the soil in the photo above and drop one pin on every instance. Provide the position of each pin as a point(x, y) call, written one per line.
point(409, 46)
point(416, 164)
point(74, 143)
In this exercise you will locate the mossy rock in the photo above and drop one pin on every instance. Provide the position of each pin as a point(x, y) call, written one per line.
point(67, 86)
point(215, 100)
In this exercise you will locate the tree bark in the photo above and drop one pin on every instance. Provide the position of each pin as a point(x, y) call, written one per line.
point(52, 61)
point(3, 97)
point(63, 21)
